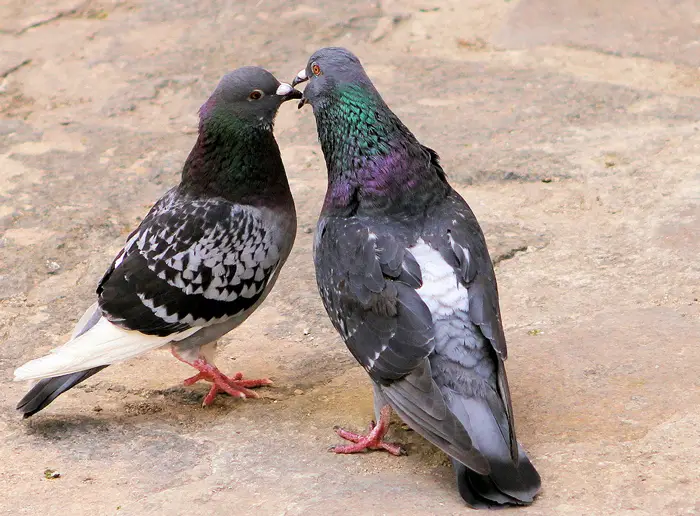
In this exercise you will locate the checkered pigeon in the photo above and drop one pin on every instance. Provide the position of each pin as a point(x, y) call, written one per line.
point(201, 261)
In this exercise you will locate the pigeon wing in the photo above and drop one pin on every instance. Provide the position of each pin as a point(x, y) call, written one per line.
point(368, 282)
point(190, 263)
point(458, 237)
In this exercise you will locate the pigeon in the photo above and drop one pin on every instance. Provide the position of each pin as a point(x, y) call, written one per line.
point(202, 260)
point(404, 273)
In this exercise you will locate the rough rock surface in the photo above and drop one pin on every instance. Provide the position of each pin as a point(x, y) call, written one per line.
point(574, 133)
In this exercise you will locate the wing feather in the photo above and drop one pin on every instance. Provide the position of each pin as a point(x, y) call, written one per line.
point(190, 263)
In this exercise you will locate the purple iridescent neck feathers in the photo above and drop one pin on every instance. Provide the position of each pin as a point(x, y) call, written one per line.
point(374, 162)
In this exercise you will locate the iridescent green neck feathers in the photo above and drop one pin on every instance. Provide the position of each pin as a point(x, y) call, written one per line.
point(374, 162)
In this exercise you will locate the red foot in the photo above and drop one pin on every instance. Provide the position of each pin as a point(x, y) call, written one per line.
point(234, 385)
point(373, 439)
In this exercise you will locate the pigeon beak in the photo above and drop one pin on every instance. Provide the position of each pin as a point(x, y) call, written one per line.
point(287, 92)
point(301, 77)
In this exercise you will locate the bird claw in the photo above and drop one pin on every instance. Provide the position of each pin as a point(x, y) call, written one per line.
point(371, 441)
point(234, 385)
point(365, 442)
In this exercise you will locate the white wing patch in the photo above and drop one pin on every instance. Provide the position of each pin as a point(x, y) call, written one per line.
point(442, 292)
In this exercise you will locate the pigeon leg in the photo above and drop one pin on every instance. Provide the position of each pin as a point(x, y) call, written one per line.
point(234, 385)
point(373, 439)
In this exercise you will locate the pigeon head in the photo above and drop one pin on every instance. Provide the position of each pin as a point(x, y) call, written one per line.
point(236, 155)
point(374, 162)
point(250, 94)
point(327, 71)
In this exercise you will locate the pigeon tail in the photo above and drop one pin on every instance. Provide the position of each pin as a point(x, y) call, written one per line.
point(48, 389)
point(104, 344)
point(508, 482)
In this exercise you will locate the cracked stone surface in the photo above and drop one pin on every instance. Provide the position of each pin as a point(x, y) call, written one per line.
point(574, 133)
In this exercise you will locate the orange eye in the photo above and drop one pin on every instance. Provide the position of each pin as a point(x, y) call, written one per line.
point(255, 95)
point(315, 69)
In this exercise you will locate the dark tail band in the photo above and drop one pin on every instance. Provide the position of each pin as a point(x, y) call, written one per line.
point(48, 389)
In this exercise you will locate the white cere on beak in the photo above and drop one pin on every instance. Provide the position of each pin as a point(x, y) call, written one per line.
point(302, 75)
point(284, 89)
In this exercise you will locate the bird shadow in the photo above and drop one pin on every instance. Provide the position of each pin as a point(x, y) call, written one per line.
point(59, 428)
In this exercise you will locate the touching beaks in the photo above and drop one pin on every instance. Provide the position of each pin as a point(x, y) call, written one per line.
point(287, 92)
point(301, 77)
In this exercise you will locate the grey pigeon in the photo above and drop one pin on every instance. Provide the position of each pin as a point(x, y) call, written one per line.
point(201, 261)
point(405, 276)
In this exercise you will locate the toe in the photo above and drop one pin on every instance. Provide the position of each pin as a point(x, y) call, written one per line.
point(348, 436)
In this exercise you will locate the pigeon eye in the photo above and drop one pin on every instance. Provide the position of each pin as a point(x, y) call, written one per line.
point(315, 69)
point(255, 95)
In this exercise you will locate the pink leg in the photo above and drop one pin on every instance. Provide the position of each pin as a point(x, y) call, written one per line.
point(373, 439)
point(234, 385)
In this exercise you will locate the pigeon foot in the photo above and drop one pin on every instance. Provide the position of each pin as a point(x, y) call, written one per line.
point(371, 441)
point(234, 385)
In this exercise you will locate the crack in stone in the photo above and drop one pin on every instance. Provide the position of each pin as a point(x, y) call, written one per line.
point(14, 68)
point(53, 18)
point(509, 254)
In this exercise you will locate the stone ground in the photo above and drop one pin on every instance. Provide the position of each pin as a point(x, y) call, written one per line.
point(571, 127)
